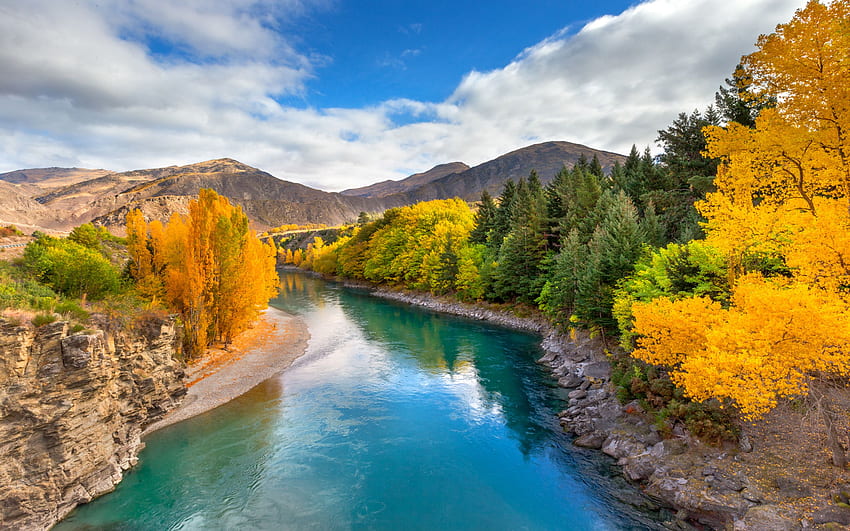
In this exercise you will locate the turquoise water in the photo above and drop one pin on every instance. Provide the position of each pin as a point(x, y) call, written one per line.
point(395, 418)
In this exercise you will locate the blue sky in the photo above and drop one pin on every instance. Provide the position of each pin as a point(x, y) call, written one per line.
point(420, 50)
point(337, 94)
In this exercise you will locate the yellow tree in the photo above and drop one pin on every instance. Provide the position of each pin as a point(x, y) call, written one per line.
point(216, 272)
point(141, 261)
point(804, 65)
point(783, 191)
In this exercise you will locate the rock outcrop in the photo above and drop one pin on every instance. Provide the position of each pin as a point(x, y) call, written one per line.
point(72, 408)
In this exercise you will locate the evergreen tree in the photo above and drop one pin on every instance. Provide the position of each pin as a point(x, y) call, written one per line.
point(589, 265)
point(485, 219)
point(523, 254)
point(502, 218)
point(596, 167)
point(736, 103)
point(684, 144)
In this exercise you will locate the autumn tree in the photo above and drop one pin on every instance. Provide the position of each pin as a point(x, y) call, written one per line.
point(214, 270)
point(780, 216)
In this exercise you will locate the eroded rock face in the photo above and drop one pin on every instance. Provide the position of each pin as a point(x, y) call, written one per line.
point(72, 408)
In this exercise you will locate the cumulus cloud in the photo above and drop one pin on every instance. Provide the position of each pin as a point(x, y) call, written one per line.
point(83, 85)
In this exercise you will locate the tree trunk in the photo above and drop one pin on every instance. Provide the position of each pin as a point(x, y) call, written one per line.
point(828, 415)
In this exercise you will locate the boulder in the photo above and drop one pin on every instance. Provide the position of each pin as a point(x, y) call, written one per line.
point(766, 518)
point(618, 446)
point(832, 514)
point(592, 440)
point(599, 369)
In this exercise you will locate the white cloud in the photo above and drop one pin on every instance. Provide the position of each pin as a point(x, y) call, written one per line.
point(79, 87)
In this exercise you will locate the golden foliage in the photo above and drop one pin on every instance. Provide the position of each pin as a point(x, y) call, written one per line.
point(215, 272)
point(763, 347)
point(783, 192)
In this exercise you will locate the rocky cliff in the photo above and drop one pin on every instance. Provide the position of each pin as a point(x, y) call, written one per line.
point(72, 408)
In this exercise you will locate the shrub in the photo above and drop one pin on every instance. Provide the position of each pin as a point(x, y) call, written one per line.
point(72, 310)
point(70, 268)
point(10, 230)
point(43, 319)
point(666, 403)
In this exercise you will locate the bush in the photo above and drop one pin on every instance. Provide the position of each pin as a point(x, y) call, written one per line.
point(43, 319)
point(70, 268)
point(10, 230)
point(666, 403)
point(71, 310)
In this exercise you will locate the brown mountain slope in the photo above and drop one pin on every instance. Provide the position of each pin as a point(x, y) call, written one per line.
point(546, 158)
point(79, 203)
point(385, 188)
point(267, 200)
point(19, 208)
point(47, 178)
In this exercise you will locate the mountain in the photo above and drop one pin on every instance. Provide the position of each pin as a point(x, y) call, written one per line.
point(546, 159)
point(18, 207)
point(267, 200)
point(60, 199)
point(385, 188)
point(47, 178)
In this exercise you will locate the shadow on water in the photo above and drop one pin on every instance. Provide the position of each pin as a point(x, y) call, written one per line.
point(395, 418)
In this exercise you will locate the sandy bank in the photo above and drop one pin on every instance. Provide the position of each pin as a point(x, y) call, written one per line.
point(271, 346)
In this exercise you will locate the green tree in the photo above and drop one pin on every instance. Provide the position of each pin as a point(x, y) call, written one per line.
point(485, 219)
point(86, 235)
point(736, 103)
point(522, 257)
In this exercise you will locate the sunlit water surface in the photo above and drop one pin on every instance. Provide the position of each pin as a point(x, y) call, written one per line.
point(395, 418)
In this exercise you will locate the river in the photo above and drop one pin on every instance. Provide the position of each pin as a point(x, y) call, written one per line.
point(396, 418)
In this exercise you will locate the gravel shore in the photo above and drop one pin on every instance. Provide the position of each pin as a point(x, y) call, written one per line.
point(220, 376)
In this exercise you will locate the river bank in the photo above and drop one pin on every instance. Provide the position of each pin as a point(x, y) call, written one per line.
point(778, 477)
point(277, 340)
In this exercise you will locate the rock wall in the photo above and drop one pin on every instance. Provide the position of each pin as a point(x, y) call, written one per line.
point(72, 408)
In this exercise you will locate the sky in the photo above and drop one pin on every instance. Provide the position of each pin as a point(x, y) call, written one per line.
point(338, 94)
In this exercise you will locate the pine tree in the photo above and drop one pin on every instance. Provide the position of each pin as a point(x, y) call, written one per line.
point(523, 254)
point(502, 219)
point(484, 219)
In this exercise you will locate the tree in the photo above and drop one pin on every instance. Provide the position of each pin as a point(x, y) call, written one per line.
point(736, 103)
point(586, 270)
point(803, 67)
point(501, 224)
point(216, 273)
point(523, 254)
point(485, 219)
point(86, 235)
point(770, 344)
point(780, 215)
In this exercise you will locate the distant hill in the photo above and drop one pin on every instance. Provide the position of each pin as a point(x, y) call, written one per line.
point(546, 158)
point(51, 177)
point(267, 200)
point(385, 188)
point(36, 200)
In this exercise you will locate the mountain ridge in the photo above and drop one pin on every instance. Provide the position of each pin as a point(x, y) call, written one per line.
point(268, 200)
point(390, 187)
